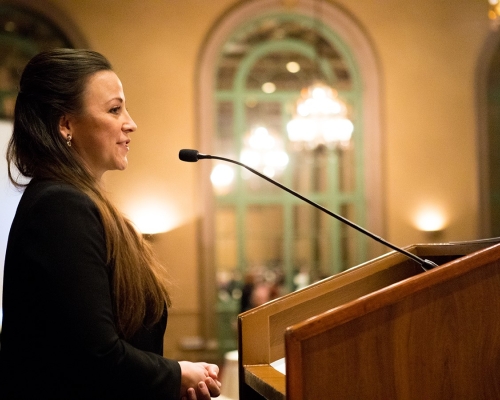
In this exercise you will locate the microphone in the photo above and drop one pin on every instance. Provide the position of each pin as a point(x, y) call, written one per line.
point(189, 155)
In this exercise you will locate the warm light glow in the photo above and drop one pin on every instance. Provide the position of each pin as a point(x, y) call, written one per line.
point(494, 13)
point(277, 158)
point(151, 217)
point(250, 157)
point(293, 67)
point(430, 220)
point(264, 151)
point(222, 175)
point(268, 87)
point(260, 139)
point(320, 119)
point(339, 130)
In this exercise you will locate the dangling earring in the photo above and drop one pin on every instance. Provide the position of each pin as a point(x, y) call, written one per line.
point(68, 140)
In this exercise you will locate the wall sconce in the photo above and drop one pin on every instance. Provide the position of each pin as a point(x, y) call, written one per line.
point(431, 221)
point(153, 217)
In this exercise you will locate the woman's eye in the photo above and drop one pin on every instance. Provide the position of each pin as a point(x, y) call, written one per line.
point(115, 110)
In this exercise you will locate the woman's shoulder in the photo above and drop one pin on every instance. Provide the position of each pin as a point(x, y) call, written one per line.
point(45, 187)
point(55, 196)
point(54, 212)
point(51, 190)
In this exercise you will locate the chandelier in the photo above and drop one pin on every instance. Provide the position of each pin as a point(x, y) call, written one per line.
point(264, 151)
point(320, 119)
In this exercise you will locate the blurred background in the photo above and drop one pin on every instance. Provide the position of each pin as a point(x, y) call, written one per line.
point(384, 112)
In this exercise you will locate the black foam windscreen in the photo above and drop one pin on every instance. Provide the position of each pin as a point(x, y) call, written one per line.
point(188, 155)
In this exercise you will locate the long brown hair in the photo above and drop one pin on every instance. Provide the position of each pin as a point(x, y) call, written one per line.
point(51, 86)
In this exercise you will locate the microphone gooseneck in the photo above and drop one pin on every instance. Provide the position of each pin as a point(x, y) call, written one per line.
point(190, 155)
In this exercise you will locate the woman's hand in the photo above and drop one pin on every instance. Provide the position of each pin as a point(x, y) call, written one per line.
point(199, 380)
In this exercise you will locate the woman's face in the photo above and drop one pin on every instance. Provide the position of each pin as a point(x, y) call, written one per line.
point(100, 133)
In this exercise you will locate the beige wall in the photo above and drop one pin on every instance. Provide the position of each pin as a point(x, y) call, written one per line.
point(428, 52)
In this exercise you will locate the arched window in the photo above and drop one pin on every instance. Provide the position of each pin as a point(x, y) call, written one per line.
point(24, 31)
point(251, 226)
point(259, 228)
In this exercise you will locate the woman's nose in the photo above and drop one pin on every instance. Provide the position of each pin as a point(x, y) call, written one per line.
point(130, 125)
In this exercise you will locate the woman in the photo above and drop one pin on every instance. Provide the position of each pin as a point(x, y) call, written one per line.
point(85, 301)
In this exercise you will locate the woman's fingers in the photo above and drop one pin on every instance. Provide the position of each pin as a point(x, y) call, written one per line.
point(213, 386)
point(203, 391)
point(191, 394)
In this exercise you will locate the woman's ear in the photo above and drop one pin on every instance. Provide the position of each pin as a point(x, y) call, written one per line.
point(65, 129)
point(64, 126)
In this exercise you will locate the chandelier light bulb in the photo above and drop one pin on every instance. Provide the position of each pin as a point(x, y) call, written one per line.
point(268, 87)
point(321, 92)
point(293, 67)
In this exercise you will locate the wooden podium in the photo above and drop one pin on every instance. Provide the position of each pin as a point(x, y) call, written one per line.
point(383, 330)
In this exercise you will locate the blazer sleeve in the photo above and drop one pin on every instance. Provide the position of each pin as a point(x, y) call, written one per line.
point(67, 245)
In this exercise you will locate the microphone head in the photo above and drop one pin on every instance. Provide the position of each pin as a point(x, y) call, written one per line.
point(188, 155)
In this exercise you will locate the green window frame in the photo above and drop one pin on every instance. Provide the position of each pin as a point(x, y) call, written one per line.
point(349, 248)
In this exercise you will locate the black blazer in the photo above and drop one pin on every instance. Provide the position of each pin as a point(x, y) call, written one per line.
point(58, 336)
